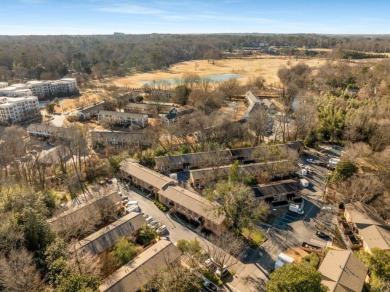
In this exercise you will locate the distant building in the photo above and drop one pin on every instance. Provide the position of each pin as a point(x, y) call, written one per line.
point(3, 84)
point(46, 131)
point(200, 178)
point(50, 88)
point(252, 102)
point(90, 111)
point(138, 272)
point(286, 190)
point(105, 238)
point(54, 156)
point(121, 118)
point(101, 139)
point(18, 109)
point(176, 113)
point(173, 163)
point(342, 271)
point(370, 229)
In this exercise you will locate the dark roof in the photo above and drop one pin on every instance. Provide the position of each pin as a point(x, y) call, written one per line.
point(92, 108)
point(106, 237)
point(277, 188)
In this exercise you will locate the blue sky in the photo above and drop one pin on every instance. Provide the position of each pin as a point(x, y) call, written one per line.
point(21, 17)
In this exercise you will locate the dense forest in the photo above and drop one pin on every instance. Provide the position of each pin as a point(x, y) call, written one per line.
point(51, 57)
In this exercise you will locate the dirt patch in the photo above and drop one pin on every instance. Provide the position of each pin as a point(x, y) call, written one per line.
point(264, 66)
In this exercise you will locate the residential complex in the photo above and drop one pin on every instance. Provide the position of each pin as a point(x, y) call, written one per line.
point(119, 139)
point(121, 118)
point(46, 131)
point(18, 109)
point(180, 200)
point(172, 163)
point(42, 89)
point(62, 87)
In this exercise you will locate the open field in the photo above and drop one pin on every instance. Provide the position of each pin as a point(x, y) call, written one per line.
point(266, 67)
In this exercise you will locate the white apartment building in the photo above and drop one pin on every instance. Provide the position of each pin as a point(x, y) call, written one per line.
point(47, 88)
point(16, 90)
point(3, 84)
point(18, 109)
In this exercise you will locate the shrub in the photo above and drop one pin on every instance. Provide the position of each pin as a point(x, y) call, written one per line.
point(161, 206)
point(250, 181)
point(212, 277)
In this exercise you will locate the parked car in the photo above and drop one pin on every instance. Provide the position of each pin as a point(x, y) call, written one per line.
point(149, 219)
point(155, 224)
point(108, 180)
point(322, 235)
point(309, 160)
point(301, 165)
point(162, 229)
point(210, 287)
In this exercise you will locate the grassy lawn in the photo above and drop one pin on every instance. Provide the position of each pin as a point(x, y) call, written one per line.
point(254, 235)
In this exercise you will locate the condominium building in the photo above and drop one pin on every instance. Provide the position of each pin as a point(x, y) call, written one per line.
point(3, 84)
point(18, 109)
point(123, 118)
point(16, 90)
point(47, 88)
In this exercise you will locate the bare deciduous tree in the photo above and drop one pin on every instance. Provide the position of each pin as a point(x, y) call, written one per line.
point(18, 272)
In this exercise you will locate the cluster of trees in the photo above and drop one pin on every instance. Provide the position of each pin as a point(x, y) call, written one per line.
point(52, 57)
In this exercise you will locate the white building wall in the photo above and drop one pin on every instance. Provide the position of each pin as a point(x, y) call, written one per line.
point(18, 109)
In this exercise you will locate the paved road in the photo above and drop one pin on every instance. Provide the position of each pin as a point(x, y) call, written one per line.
point(248, 276)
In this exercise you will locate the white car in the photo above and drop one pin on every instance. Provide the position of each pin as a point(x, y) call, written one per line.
point(161, 229)
point(149, 219)
point(301, 165)
point(309, 160)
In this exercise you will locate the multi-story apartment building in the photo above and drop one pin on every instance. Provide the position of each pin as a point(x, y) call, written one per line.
point(18, 109)
point(44, 89)
point(121, 118)
point(3, 84)
point(16, 90)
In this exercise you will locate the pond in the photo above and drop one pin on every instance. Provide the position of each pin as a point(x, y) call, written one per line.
point(214, 78)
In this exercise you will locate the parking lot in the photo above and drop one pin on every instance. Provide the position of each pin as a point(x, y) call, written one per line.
point(294, 229)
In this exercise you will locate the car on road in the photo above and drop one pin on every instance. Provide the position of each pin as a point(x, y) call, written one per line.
point(162, 229)
point(322, 235)
point(149, 219)
point(309, 160)
point(155, 224)
point(210, 287)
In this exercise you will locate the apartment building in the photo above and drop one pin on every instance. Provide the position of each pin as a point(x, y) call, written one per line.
point(137, 273)
point(101, 139)
point(15, 90)
point(3, 84)
point(174, 163)
point(18, 109)
point(200, 178)
point(188, 203)
point(105, 238)
point(371, 230)
point(90, 111)
point(46, 131)
point(121, 118)
point(47, 88)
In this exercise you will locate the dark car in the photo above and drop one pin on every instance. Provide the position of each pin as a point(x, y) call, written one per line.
point(322, 235)
point(108, 180)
